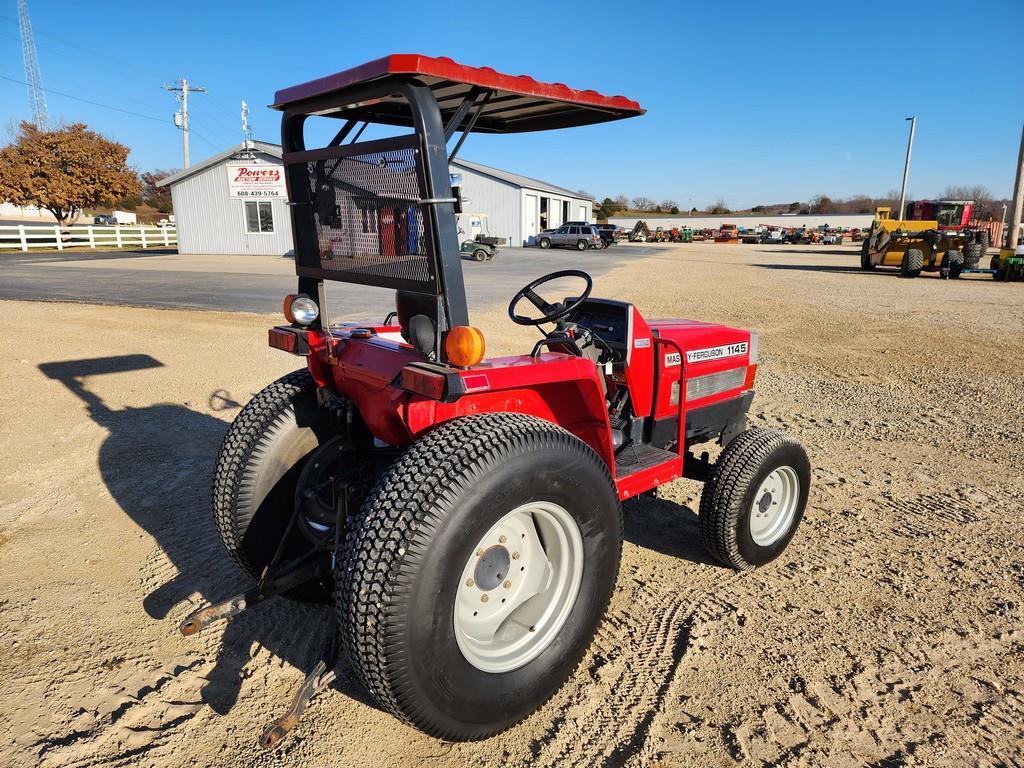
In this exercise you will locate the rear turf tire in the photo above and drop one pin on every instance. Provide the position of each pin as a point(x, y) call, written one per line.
point(257, 470)
point(402, 576)
point(731, 513)
point(912, 263)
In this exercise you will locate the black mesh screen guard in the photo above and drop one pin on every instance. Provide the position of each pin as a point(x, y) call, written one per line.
point(365, 223)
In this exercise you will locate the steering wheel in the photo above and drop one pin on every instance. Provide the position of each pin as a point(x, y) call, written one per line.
point(550, 312)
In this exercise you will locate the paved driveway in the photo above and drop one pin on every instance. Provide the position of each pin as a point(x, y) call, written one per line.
point(164, 278)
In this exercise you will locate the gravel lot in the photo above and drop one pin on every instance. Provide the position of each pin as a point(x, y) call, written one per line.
point(890, 632)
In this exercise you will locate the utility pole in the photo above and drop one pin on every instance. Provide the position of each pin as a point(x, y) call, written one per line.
point(181, 92)
point(36, 94)
point(906, 167)
point(1018, 198)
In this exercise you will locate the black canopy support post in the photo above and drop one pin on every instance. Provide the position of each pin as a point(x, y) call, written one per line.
point(430, 129)
point(346, 129)
point(300, 200)
point(352, 141)
point(460, 114)
point(469, 128)
point(359, 132)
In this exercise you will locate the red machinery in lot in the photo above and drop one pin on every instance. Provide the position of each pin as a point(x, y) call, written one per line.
point(463, 514)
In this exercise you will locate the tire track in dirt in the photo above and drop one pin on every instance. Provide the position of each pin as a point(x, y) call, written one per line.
point(632, 663)
point(928, 695)
point(123, 721)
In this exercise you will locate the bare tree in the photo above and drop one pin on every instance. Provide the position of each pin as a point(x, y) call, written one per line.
point(644, 204)
point(668, 205)
point(822, 204)
point(718, 207)
point(621, 202)
point(983, 204)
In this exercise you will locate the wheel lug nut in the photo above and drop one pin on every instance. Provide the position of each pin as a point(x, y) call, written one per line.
point(515, 555)
point(479, 553)
point(470, 582)
point(508, 584)
point(502, 539)
point(483, 598)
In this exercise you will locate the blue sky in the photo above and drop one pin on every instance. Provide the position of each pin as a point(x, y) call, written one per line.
point(748, 102)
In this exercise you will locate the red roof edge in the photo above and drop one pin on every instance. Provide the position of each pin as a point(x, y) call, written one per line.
point(447, 69)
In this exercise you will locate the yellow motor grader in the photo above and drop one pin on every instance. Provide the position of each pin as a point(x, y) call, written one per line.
point(935, 236)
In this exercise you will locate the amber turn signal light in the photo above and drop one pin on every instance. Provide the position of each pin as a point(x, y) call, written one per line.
point(464, 346)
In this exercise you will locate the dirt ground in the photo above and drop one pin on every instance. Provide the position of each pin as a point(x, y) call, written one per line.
point(889, 633)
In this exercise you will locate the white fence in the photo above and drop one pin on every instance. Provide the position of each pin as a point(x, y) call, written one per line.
point(22, 237)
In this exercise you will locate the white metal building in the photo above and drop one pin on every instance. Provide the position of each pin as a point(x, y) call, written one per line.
point(236, 202)
point(233, 202)
point(518, 207)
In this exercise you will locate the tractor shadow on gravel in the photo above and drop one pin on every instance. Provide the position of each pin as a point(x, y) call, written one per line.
point(157, 463)
point(666, 527)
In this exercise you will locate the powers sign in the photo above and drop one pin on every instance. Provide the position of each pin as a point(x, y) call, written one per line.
point(256, 181)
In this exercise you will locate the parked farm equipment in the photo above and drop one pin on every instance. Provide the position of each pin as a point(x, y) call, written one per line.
point(935, 237)
point(640, 233)
point(463, 516)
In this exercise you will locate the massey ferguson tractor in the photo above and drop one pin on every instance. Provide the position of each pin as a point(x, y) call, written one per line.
point(461, 513)
point(935, 236)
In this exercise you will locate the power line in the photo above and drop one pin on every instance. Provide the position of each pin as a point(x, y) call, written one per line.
point(87, 101)
point(79, 47)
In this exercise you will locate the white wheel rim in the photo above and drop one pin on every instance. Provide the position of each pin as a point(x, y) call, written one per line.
point(519, 587)
point(774, 506)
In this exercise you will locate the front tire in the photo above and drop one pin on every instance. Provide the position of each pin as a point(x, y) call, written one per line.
point(480, 254)
point(545, 243)
point(258, 468)
point(421, 556)
point(952, 264)
point(912, 262)
point(752, 504)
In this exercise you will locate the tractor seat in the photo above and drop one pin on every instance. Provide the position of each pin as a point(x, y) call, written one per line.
point(417, 319)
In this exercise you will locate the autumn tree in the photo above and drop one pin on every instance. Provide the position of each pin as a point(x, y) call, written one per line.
point(158, 197)
point(64, 170)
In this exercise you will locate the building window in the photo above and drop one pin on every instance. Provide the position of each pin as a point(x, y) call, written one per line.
point(259, 216)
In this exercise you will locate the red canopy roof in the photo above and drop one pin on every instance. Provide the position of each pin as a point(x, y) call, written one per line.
point(519, 103)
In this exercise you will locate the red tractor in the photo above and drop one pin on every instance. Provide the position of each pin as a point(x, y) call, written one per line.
point(463, 513)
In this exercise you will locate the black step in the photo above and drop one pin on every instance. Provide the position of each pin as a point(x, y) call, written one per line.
point(636, 457)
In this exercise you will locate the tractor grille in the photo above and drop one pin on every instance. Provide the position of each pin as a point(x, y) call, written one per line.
point(367, 217)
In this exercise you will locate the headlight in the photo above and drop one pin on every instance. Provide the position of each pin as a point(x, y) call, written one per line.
point(300, 309)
